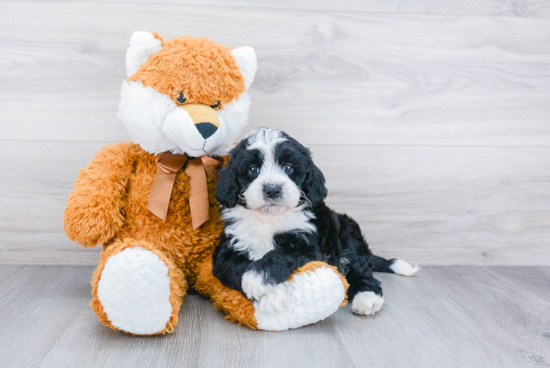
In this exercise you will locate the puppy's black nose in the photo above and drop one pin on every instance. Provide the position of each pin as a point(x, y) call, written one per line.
point(272, 191)
point(206, 129)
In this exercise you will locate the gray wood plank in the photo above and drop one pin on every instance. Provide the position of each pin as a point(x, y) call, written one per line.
point(444, 316)
point(407, 332)
point(36, 306)
point(337, 77)
point(9, 276)
point(203, 339)
point(527, 8)
point(452, 317)
point(7, 270)
point(432, 205)
point(536, 279)
point(34, 189)
point(459, 205)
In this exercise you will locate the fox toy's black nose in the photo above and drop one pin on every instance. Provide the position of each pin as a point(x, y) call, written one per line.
point(206, 129)
point(272, 191)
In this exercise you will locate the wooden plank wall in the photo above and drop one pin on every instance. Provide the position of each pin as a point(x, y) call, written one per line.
point(430, 120)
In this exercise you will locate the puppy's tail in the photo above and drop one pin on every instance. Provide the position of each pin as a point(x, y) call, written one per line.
point(397, 266)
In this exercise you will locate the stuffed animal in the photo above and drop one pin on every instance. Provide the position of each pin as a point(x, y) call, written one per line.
point(152, 205)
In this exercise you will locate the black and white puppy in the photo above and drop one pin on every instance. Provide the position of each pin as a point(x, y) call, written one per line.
point(272, 197)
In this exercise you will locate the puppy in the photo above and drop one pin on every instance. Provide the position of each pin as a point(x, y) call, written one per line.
point(272, 197)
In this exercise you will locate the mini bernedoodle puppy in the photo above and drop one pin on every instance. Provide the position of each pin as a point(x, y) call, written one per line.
point(272, 197)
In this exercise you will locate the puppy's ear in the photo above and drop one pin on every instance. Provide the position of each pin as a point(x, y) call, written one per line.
point(314, 186)
point(227, 189)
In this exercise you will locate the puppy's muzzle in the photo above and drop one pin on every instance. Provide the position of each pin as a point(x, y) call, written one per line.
point(272, 191)
point(205, 118)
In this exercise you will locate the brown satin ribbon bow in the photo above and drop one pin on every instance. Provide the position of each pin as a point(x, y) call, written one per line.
point(168, 164)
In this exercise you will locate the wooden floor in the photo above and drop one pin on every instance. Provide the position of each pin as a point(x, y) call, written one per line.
point(443, 317)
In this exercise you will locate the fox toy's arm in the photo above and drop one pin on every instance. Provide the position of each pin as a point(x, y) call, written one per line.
point(93, 214)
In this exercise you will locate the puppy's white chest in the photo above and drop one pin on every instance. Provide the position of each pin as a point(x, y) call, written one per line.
point(253, 233)
point(257, 240)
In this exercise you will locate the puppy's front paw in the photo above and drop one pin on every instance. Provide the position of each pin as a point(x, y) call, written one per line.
point(253, 285)
point(366, 303)
point(275, 300)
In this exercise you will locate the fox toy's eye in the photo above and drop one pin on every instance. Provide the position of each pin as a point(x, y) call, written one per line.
point(216, 105)
point(288, 168)
point(253, 170)
point(181, 100)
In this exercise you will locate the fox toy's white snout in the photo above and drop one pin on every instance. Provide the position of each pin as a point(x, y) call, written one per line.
point(195, 138)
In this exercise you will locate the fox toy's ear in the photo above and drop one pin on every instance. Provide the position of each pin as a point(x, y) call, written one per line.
point(246, 60)
point(141, 47)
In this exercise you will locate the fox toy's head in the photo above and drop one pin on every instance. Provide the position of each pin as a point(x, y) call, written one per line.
point(186, 95)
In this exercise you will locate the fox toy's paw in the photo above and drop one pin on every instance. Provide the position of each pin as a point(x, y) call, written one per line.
point(313, 293)
point(137, 290)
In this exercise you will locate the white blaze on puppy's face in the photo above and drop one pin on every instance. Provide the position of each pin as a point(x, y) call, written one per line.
point(270, 174)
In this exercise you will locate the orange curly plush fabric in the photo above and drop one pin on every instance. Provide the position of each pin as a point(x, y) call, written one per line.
point(211, 73)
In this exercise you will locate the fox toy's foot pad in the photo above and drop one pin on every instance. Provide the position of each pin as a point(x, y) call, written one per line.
point(313, 293)
point(134, 292)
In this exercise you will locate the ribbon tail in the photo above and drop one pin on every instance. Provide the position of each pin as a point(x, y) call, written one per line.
point(212, 165)
point(198, 192)
point(159, 198)
point(168, 165)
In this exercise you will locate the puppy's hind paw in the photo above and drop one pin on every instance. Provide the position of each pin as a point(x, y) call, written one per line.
point(366, 303)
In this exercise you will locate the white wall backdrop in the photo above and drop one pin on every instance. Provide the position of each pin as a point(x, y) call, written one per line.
point(430, 120)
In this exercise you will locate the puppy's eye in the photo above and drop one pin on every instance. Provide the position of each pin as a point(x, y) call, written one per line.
point(181, 100)
point(253, 170)
point(288, 168)
point(216, 105)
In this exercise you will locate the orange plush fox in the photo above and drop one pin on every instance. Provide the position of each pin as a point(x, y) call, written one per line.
point(184, 103)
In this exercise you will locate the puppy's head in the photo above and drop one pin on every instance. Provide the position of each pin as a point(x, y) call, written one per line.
point(271, 173)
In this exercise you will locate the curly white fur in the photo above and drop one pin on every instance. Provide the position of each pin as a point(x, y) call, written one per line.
point(144, 112)
point(134, 291)
point(141, 47)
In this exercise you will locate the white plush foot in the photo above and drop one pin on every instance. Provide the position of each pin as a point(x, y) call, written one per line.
point(366, 303)
point(134, 289)
point(253, 285)
point(404, 268)
point(275, 300)
point(310, 297)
